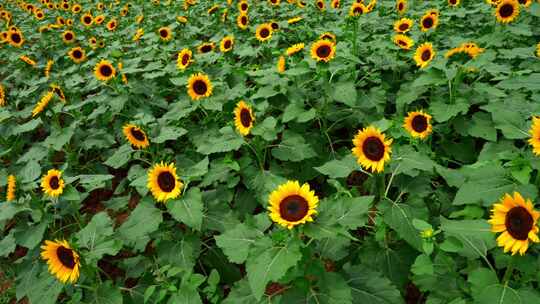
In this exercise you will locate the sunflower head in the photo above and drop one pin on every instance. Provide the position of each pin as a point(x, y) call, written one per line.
point(403, 41)
point(403, 25)
point(226, 44)
point(281, 64)
point(199, 86)
point(320, 5)
point(507, 11)
point(16, 38)
point(429, 21)
point(99, 19)
point(323, 50)
point(68, 36)
point(163, 182)
point(184, 59)
point(328, 36)
point(534, 141)
point(136, 136)
point(291, 204)
point(87, 19)
point(372, 149)
point(112, 24)
point(63, 261)
point(424, 54)
point(357, 9)
point(263, 32)
point(243, 6)
point(206, 47)
point(453, 2)
point(52, 183)
point(104, 70)
point(418, 124)
point(77, 54)
point(295, 48)
point(243, 118)
point(11, 187)
point(516, 218)
point(165, 33)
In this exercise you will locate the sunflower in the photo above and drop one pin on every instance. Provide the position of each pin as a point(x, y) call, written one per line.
point(68, 36)
point(99, 19)
point(274, 2)
point(335, 4)
point(243, 6)
point(294, 20)
point(104, 70)
point(182, 19)
point(357, 9)
point(163, 182)
point(301, 3)
point(242, 21)
point(424, 54)
point(243, 118)
point(226, 44)
point(100, 6)
point(403, 25)
point(63, 261)
point(295, 48)
point(429, 21)
point(135, 136)
point(507, 11)
point(184, 59)
point(39, 15)
point(93, 42)
point(27, 60)
point(48, 68)
point(69, 22)
point(525, 3)
point(58, 91)
point(534, 141)
point(323, 50)
point(453, 2)
point(538, 49)
point(165, 33)
point(138, 34)
point(291, 204)
point(15, 38)
point(320, 5)
point(11, 187)
point(212, 9)
point(66, 6)
point(112, 24)
point(76, 8)
point(328, 36)
point(418, 124)
point(87, 19)
point(403, 41)
point(52, 183)
point(206, 47)
point(199, 86)
point(372, 149)
point(77, 54)
point(2, 96)
point(281, 64)
point(516, 218)
point(263, 32)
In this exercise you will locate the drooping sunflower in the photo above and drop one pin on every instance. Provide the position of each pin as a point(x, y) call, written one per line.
point(516, 218)
point(418, 124)
point(182, 19)
point(52, 183)
point(112, 24)
point(328, 36)
point(301, 3)
point(534, 141)
point(135, 136)
point(63, 261)
point(58, 91)
point(42, 104)
point(403, 25)
point(165, 33)
point(291, 204)
point(99, 19)
point(15, 38)
point(138, 34)
point(48, 68)
point(453, 2)
point(199, 86)
point(206, 47)
point(163, 182)
point(372, 149)
point(242, 21)
point(525, 3)
point(323, 50)
point(27, 60)
point(424, 54)
point(507, 11)
point(104, 70)
point(429, 21)
point(335, 4)
point(68, 36)
point(295, 48)
point(538, 49)
point(226, 44)
point(263, 32)
point(243, 118)
point(184, 59)
point(281, 64)
point(87, 19)
point(11, 187)
point(294, 20)
point(212, 9)
point(2, 96)
point(77, 54)
point(357, 9)
point(403, 41)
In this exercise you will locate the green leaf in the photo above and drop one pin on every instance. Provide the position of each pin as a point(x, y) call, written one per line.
point(266, 129)
point(410, 162)
point(226, 140)
point(188, 209)
point(498, 294)
point(29, 126)
point(45, 289)
point(91, 182)
point(7, 245)
point(106, 293)
point(443, 112)
point(293, 148)
point(480, 278)
point(345, 92)
point(120, 157)
point(30, 172)
point(95, 237)
point(144, 220)
point(60, 137)
point(475, 236)
point(399, 217)
point(422, 266)
point(370, 287)
point(530, 82)
point(169, 133)
point(237, 242)
point(181, 253)
point(339, 168)
point(269, 264)
point(31, 236)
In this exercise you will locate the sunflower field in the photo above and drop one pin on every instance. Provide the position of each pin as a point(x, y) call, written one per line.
point(270, 151)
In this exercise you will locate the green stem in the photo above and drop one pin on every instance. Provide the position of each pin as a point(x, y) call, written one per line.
point(508, 272)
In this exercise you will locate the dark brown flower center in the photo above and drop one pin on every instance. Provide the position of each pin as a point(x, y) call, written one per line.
point(323, 51)
point(518, 223)
point(65, 255)
point(427, 22)
point(403, 26)
point(200, 87)
point(68, 36)
point(453, 1)
point(163, 33)
point(15, 37)
point(54, 183)
point(227, 44)
point(166, 181)
point(400, 6)
point(401, 42)
point(520, 1)
point(65, 5)
point(320, 4)
point(105, 70)
point(506, 10)
point(206, 48)
point(138, 134)
point(419, 123)
point(293, 208)
point(77, 54)
point(426, 54)
point(358, 10)
point(373, 148)
point(243, 20)
point(264, 33)
point(243, 6)
point(185, 59)
point(245, 117)
point(87, 19)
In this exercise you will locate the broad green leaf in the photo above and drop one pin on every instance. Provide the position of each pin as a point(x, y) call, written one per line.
point(120, 157)
point(293, 147)
point(345, 92)
point(498, 294)
point(339, 168)
point(237, 242)
point(144, 220)
point(7, 245)
point(226, 140)
point(188, 209)
point(169, 133)
point(475, 236)
point(399, 217)
point(480, 278)
point(370, 287)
